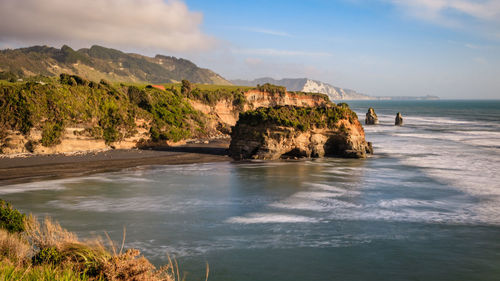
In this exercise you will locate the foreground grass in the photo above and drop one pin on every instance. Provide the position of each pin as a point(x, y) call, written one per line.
point(9, 271)
point(33, 250)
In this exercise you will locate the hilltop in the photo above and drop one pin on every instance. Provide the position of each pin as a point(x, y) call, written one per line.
point(98, 62)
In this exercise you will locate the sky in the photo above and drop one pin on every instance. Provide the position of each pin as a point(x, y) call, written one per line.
point(448, 48)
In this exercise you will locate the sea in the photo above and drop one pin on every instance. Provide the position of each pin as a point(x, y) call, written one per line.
point(425, 206)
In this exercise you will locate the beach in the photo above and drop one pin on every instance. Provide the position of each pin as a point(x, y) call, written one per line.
point(28, 168)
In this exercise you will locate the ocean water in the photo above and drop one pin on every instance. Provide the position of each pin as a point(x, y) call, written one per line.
point(426, 206)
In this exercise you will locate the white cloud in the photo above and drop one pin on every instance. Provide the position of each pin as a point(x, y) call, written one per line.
point(276, 52)
point(132, 24)
point(265, 31)
point(485, 10)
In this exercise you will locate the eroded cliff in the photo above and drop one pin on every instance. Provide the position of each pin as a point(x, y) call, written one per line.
point(295, 132)
point(72, 114)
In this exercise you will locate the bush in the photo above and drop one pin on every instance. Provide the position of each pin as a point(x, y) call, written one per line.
point(11, 219)
point(110, 122)
point(17, 111)
point(72, 80)
point(139, 98)
point(301, 118)
point(51, 133)
point(47, 256)
point(272, 89)
point(185, 87)
point(239, 101)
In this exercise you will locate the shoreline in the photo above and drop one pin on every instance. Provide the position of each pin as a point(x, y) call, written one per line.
point(31, 168)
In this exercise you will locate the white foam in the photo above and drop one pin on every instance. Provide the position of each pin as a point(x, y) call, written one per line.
point(255, 218)
point(38, 186)
point(406, 203)
point(466, 160)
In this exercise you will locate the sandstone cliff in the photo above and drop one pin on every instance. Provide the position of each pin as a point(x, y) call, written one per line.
point(226, 112)
point(72, 114)
point(293, 132)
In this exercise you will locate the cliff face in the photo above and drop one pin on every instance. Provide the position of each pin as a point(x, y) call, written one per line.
point(285, 132)
point(225, 112)
point(77, 115)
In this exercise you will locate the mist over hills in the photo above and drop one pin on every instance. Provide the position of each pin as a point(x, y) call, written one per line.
point(98, 62)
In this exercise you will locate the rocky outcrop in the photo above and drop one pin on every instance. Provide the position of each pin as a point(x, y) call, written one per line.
point(77, 115)
point(371, 117)
point(224, 112)
point(292, 132)
point(399, 119)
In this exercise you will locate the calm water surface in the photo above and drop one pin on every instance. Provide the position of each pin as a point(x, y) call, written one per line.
point(425, 207)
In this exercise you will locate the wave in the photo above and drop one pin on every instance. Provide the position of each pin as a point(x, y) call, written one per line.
point(255, 218)
point(36, 186)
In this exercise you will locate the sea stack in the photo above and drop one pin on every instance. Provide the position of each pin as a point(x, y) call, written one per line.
point(288, 132)
point(399, 119)
point(371, 117)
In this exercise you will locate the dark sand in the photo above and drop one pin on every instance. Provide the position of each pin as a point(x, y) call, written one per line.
point(44, 167)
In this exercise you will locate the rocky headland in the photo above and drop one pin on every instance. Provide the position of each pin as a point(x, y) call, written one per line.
point(71, 114)
point(285, 132)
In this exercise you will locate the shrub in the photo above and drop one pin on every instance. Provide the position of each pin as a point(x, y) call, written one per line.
point(110, 122)
point(51, 133)
point(105, 82)
point(239, 100)
point(14, 249)
point(17, 111)
point(185, 87)
point(72, 80)
point(272, 89)
point(11, 219)
point(139, 98)
point(301, 118)
point(47, 256)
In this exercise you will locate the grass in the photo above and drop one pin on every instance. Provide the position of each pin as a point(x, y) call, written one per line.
point(47, 251)
point(9, 271)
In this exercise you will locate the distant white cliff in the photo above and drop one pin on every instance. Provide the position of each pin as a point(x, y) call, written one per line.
point(314, 86)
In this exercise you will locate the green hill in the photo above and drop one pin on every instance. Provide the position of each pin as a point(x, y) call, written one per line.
point(98, 62)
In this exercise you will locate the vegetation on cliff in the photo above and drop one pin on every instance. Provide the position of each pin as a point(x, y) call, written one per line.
point(301, 118)
point(285, 132)
point(212, 94)
point(30, 250)
point(107, 112)
point(43, 108)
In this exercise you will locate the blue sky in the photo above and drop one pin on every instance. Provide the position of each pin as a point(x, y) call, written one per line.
point(376, 47)
point(449, 48)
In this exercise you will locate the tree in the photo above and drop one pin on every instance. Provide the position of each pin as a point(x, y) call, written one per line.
point(186, 87)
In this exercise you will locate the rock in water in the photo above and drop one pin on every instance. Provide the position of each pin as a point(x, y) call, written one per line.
point(399, 119)
point(288, 132)
point(371, 117)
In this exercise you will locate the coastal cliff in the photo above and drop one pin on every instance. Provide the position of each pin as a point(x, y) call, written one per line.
point(226, 109)
point(284, 132)
point(71, 114)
